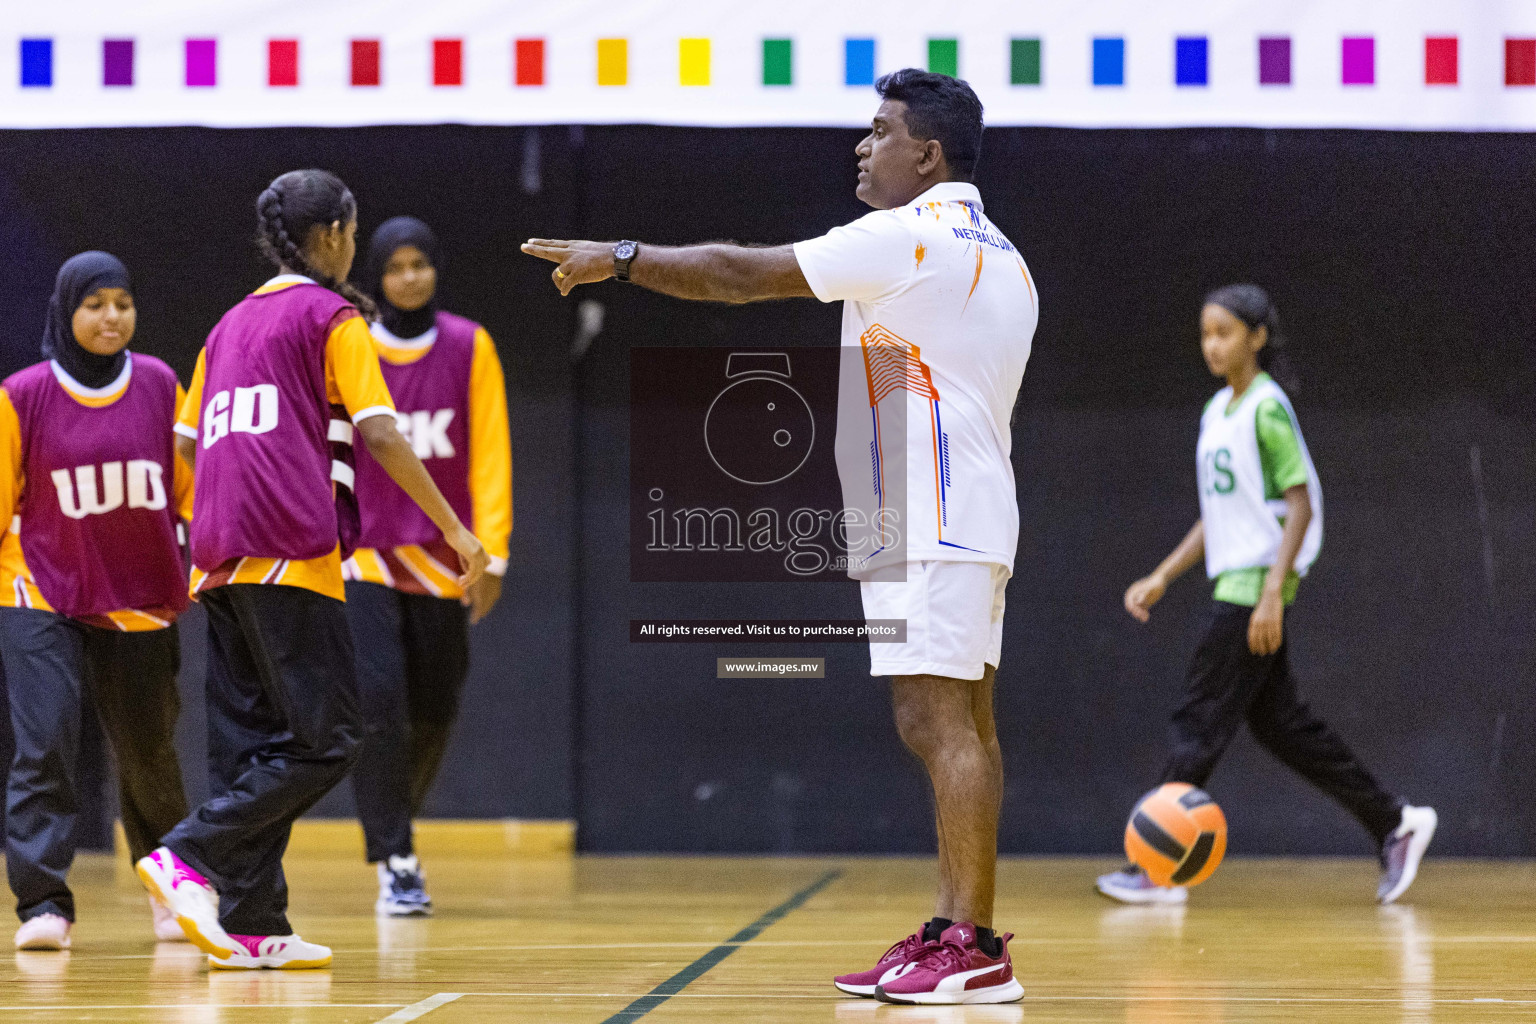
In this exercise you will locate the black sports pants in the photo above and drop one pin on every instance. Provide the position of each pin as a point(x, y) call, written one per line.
point(283, 728)
point(1227, 685)
point(412, 658)
point(54, 667)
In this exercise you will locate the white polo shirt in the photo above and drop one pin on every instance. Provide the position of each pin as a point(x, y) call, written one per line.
point(935, 281)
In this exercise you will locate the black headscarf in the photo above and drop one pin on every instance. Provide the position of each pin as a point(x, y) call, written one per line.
point(390, 236)
point(78, 278)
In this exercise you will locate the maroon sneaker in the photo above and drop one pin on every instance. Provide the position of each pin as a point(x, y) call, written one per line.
point(953, 971)
point(897, 957)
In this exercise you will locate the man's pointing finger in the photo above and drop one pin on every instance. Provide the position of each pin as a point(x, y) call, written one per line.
point(545, 249)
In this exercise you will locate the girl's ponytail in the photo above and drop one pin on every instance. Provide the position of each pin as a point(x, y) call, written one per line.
point(1253, 306)
point(288, 208)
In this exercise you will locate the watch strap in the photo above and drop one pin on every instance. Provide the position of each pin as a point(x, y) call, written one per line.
point(621, 264)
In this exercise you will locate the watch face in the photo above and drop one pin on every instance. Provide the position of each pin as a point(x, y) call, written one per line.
point(624, 251)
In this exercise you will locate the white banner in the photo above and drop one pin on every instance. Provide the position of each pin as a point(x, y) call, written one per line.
point(1414, 64)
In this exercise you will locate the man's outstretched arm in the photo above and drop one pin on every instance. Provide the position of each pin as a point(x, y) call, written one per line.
point(714, 272)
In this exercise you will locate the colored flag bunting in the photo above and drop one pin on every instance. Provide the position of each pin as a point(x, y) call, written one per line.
point(1191, 61)
point(613, 62)
point(859, 62)
point(528, 61)
point(367, 69)
point(1024, 61)
point(37, 63)
point(1520, 62)
point(1358, 54)
point(693, 61)
point(944, 56)
point(202, 63)
point(1441, 60)
point(1275, 60)
point(1109, 61)
point(778, 62)
point(283, 63)
point(117, 62)
point(447, 62)
point(1190, 56)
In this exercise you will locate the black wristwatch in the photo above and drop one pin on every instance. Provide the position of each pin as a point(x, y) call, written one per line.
point(623, 255)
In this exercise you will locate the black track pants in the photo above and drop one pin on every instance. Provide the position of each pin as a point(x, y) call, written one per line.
point(283, 728)
point(412, 657)
point(1228, 685)
point(55, 668)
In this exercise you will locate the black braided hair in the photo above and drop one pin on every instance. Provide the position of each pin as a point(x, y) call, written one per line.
point(1253, 306)
point(285, 212)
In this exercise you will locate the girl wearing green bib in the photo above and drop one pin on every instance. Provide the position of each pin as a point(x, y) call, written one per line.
point(1260, 530)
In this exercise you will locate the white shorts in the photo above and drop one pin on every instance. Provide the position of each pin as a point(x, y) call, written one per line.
point(954, 614)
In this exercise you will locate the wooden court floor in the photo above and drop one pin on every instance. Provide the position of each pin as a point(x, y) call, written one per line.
point(596, 940)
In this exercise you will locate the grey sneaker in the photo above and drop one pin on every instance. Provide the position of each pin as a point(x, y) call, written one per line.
point(1131, 885)
point(1403, 850)
point(402, 890)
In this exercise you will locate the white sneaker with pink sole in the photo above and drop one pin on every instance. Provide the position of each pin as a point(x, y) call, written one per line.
point(275, 952)
point(189, 897)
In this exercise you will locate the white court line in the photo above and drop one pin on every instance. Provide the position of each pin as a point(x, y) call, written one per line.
point(418, 1010)
point(1388, 1000)
point(789, 943)
point(39, 1008)
point(556, 947)
point(1391, 1000)
point(1015, 941)
point(365, 950)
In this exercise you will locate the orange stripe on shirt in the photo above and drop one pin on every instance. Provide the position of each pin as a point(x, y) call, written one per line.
point(322, 575)
point(97, 401)
point(412, 569)
point(1030, 284)
point(980, 251)
point(366, 566)
point(434, 575)
point(19, 590)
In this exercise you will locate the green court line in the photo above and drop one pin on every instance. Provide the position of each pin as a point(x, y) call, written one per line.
point(688, 975)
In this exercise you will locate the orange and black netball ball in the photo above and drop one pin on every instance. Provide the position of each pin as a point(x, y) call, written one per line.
point(1177, 835)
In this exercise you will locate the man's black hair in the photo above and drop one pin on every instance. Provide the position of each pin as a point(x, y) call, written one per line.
point(939, 107)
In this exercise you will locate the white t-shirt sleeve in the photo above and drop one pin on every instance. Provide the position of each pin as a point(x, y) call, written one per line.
point(867, 261)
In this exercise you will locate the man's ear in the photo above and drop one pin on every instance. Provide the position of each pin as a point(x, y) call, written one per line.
point(933, 155)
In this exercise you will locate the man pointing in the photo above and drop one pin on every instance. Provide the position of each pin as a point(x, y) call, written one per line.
point(931, 286)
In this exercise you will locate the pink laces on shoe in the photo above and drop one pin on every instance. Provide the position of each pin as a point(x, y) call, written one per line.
point(942, 955)
point(906, 947)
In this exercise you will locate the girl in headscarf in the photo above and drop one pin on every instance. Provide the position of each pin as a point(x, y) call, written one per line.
point(1260, 530)
point(409, 617)
point(91, 583)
